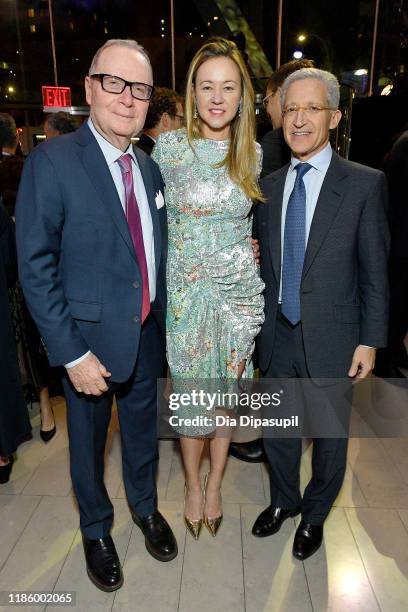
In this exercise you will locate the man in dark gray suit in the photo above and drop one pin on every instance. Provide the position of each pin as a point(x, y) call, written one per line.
point(324, 245)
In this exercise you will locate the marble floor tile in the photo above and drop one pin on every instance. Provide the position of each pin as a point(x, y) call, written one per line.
point(213, 569)
point(351, 495)
point(37, 558)
point(27, 459)
point(366, 449)
point(15, 512)
point(52, 475)
point(381, 484)
point(336, 575)
point(383, 544)
point(73, 576)
point(274, 580)
point(397, 450)
point(404, 517)
point(152, 585)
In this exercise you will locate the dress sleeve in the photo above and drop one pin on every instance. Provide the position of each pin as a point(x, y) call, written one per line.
point(157, 153)
point(259, 157)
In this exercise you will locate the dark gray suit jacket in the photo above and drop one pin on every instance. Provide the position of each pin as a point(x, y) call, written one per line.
point(344, 288)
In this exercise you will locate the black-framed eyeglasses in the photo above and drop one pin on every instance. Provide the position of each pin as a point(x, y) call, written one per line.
point(116, 85)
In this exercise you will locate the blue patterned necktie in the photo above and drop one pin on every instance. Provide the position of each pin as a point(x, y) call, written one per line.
point(294, 246)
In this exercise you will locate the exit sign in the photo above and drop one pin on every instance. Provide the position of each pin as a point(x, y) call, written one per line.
point(56, 97)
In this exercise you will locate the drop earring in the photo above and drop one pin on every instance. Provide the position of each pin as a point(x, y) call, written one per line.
point(240, 108)
point(195, 113)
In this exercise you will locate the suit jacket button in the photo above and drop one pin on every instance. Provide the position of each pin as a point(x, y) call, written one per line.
point(135, 285)
point(136, 319)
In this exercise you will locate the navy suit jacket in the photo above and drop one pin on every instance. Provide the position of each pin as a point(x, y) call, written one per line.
point(344, 287)
point(77, 262)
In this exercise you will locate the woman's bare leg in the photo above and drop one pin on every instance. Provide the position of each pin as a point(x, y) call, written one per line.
point(191, 451)
point(47, 416)
point(219, 446)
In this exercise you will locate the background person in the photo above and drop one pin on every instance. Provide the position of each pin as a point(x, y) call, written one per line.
point(14, 421)
point(59, 123)
point(165, 114)
point(33, 362)
point(396, 169)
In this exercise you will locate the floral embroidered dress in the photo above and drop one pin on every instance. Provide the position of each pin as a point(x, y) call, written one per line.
point(215, 302)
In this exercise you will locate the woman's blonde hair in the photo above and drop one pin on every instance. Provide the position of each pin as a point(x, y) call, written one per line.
point(241, 159)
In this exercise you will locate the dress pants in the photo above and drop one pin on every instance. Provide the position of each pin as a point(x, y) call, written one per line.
point(284, 455)
point(88, 421)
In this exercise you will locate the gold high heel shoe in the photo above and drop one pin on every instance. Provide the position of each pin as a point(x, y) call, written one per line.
point(212, 524)
point(194, 526)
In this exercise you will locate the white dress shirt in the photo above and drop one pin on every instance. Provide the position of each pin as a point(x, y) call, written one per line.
point(111, 155)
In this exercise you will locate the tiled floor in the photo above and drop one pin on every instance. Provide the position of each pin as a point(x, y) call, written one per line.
point(363, 564)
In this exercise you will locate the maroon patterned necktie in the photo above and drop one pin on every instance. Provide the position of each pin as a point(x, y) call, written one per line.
point(135, 228)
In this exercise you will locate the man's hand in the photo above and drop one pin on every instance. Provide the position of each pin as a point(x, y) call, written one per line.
point(255, 250)
point(89, 375)
point(363, 362)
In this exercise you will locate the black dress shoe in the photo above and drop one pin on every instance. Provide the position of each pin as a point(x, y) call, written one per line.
point(271, 519)
point(5, 470)
point(252, 452)
point(308, 539)
point(102, 563)
point(159, 539)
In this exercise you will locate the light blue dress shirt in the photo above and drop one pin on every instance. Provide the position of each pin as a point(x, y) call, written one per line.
point(111, 155)
point(313, 181)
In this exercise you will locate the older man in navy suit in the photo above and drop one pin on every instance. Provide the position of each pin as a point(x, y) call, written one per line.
point(92, 243)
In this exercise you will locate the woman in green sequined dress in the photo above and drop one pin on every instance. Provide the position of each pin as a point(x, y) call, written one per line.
point(215, 302)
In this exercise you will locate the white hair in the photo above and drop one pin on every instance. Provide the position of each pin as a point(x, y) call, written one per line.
point(128, 43)
point(327, 78)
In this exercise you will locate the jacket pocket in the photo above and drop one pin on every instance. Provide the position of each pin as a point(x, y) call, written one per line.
point(346, 313)
point(84, 311)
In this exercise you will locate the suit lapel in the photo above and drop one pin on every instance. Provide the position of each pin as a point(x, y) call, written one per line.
point(97, 169)
point(145, 171)
point(274, 192)
point(329, 201)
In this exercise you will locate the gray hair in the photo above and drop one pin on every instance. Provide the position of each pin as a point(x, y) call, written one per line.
point(327, 78)
point(128, 43)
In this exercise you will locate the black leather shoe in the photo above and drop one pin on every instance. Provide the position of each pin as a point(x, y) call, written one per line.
point(308, 539)
point(252, 452)
point(102, 563)
point(271, 519)
point(159, 539)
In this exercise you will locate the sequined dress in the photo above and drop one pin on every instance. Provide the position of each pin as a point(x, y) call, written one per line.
point(215, 302)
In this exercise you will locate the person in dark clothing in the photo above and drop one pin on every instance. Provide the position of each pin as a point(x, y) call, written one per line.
point(164, 115)
point(14, 421)
point(31, 352)
point(396, 169)
point(275, 150)
point(11, 164)
point(59, 123)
